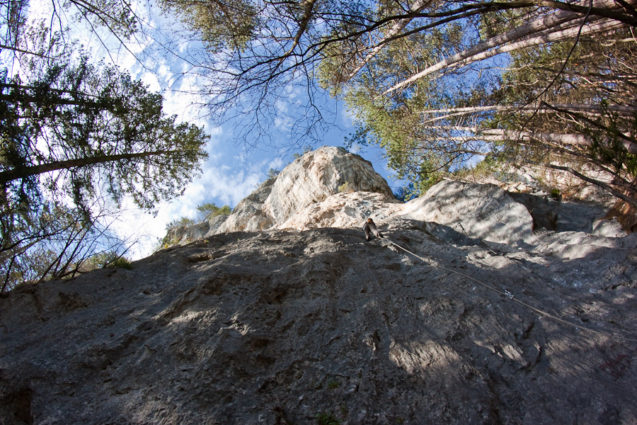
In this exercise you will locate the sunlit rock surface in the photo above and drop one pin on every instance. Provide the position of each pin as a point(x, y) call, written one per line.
point(306, 182)
point(330, 187)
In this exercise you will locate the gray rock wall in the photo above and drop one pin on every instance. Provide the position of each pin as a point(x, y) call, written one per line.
point(307, 327)
point(476, 210)
point(462, 314)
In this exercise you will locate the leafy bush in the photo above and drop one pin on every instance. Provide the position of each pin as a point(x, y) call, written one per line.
point(210, 210)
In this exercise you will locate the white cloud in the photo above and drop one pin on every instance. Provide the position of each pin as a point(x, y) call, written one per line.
point(356, 148)
point(347, 117)
point(276, 163)
point(164, 72)
point(151, 80)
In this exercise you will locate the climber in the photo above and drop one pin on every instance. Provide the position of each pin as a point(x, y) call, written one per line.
point(370, 229)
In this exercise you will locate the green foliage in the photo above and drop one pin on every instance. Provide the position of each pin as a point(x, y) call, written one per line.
point(395, 123)
point(206, 211)
point(423, 147)
point(92, 128)
point(272, 173)
point(556, 194)
point(183, 221)
point(75, 136)
point(122, 263)
point(221, 24)
point(324, 418)
point(489, 166)
point(407, 192)
point(52, 241)
point(584, 79)
point(210, 210)
point(106, 259)
point(116, 16)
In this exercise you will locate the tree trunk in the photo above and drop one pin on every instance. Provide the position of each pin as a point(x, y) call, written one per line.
point(621, 109)
point(395, 29)
point(23, 172)
point(538, 31)
point(492, 135)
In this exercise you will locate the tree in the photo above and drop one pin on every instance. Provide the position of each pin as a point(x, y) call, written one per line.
point(53, 241)
point(558, 102)
point(260, 44)
point(400, 64)
point(210, 210)
point(77, 128)
point(44, 39)
point(73, 135)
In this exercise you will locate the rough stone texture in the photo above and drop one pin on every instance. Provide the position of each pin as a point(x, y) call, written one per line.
point(184, 234)
point(477, 210)
point(330, 187)
point(299, 188)
point(215, 223)
point(343, 210)
point(484, 321)
point(248, 215)
point(283, 327)
point(317, 175)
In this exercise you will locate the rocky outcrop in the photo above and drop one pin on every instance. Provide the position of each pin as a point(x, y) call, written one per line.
point(248, 215)
point(316, 175)
point(184, 234)
point(306, 182)
point(344, 210)
point(301, 188)
point(478, 307)
point(476, 210)
point(330, 187)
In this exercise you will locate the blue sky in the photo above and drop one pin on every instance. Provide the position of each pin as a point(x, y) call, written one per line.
point(233, 169)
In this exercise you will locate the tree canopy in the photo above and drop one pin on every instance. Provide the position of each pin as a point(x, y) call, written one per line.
point(75, 135)
point(437, 83)
point(77, 127)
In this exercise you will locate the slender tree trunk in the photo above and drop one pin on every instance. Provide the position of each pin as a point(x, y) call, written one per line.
point(622, 109)
point(603, 185)
point(594, 110)
point(492, 135)
point(23, 172)
point(539, 31)
point(394, 30)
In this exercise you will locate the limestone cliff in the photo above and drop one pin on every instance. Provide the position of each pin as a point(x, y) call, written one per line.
point(330, 187)
point(477, 308)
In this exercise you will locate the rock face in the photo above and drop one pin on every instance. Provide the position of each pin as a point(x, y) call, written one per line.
point(248, 214)
point(480, 211)
point(330, 187)
point(307, 181)
point(317, 175)
point(291, 327)
point(450, 319)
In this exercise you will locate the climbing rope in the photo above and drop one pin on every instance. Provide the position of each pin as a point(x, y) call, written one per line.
point(510, 296)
